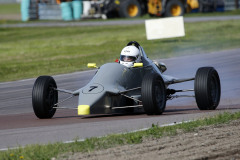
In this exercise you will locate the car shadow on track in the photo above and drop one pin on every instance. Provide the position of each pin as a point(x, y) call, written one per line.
point(171, 110)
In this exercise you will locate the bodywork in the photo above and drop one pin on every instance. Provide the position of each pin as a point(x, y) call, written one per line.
point(116, 87)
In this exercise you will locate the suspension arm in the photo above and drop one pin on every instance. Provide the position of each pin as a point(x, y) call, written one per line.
point(179, 80)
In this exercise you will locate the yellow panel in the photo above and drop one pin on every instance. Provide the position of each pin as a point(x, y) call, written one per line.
point(83, 109)
point(92, 65)
point(137, 64)
point(117, 2)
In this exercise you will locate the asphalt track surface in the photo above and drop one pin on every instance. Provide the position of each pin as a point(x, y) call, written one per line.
point(19, 125)
point(112, 22)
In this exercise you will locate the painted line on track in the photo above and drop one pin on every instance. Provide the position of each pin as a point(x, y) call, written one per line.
point(143, 129)
point(81, 140)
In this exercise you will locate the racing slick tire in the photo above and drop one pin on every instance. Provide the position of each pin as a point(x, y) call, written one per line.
point(44, 96)
point(207, 88)
point(153, 92)
point(130, 9)
point(174, 8)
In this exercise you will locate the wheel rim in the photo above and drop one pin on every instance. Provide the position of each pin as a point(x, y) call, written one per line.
point(176, 10)
point(132, 10)
point(51, 97)
point(214, 90)
point(159, 93)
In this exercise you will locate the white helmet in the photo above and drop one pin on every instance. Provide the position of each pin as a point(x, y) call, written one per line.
point(130, 55)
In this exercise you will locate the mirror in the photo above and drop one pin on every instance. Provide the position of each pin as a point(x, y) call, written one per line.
point(138, 65)
point(91, 65)
point(161, 66)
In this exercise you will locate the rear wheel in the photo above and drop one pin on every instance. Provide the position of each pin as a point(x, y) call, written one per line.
point(130, 9)
point(44, 96)
point(153, 94)
point(174, 8)
point(207, 88)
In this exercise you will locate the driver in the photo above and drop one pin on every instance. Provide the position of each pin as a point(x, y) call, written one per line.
point(129, 56)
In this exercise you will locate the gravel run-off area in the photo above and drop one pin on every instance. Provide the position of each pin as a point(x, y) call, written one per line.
point(211, 142)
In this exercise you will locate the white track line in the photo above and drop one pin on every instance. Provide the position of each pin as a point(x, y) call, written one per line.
point(80, 140)
point(143, 129)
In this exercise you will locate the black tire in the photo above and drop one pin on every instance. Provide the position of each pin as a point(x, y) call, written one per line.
point(130, 9)
point(207, 88)
point(153, 94)
point(174, 8)
point(44, 97)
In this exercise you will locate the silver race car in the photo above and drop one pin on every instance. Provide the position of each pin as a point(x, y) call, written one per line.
point(118, 88)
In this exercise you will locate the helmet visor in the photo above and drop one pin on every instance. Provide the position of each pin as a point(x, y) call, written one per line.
point(127, 58)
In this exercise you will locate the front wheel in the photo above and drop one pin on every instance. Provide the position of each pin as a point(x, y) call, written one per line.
point(153, 94)
point(207, 88)
point(44, 97)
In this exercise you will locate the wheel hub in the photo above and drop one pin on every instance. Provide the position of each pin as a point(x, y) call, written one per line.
point(176, 10)
point(132, 10)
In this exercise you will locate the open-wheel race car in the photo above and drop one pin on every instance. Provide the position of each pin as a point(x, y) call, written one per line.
point(119, 88)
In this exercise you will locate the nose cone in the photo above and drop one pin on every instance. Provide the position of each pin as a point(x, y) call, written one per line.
point(110, 79)
point(93, 88)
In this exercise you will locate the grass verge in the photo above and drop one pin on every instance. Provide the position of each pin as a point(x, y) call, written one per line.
point(10, 8)
point(40, 152)
point(226, 13)
point(10, 13)
point(30, 52)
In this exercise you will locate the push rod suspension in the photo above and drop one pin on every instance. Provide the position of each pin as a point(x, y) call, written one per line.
point(173, 91)
point(179, 80)
point(127, 107)
point(131, 98)
point(64, 108)
point(133, 89)
point(184, 90)
point(63, 90)
point(63, 100)
point(178, 96)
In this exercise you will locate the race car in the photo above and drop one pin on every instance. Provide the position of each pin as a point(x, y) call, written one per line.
point(117, 88)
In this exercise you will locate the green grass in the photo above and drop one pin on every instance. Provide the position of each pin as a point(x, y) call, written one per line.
point(12, 8)
point(9, 12)
point(30, 52)
point(226, 13)
point(40, 152)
